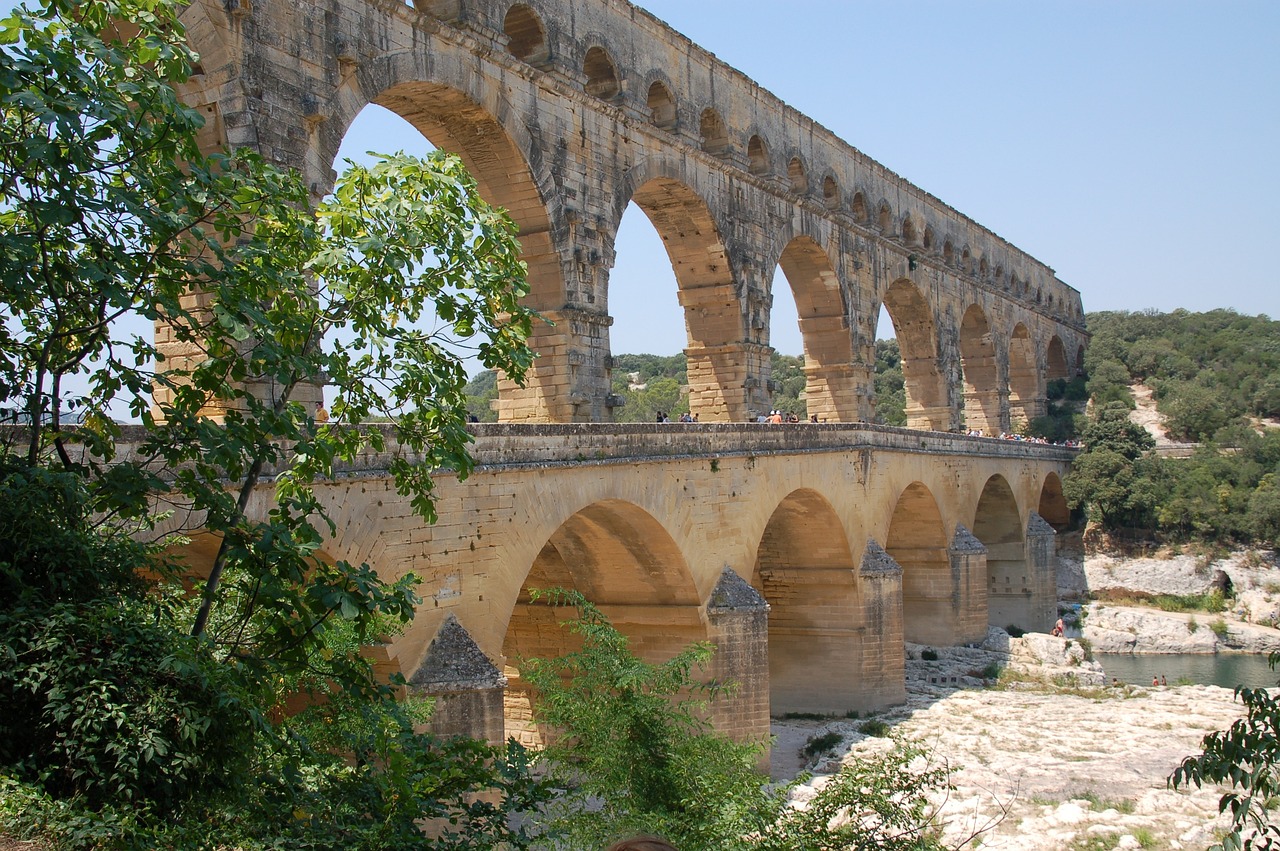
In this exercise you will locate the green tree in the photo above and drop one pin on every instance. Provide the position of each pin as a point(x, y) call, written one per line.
point(1106, 477)
point(891, 393)
point(1193, 411)
point(108, 210)
point(1109, 382)
point(636, 755)
point(480, 391)
point(1264, 511)
point(789, 383)
point(1247, 758)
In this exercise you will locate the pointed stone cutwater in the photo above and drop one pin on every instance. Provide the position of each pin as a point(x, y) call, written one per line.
point(1042, 568)
point(966, 542)
point(738, 624)
point(467, 686)
point(877, 562)
point(969, 574)
point(1037, 526)
point(734, 594)
point(882, 680)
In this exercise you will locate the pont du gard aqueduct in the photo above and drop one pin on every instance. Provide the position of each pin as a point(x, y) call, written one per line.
point(807, 553)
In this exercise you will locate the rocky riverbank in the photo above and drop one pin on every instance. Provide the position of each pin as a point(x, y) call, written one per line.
point(1048, 756)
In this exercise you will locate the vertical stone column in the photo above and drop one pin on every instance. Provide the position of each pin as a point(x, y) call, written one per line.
point(467, 687)
point(569, 380)
point(928, 404)
point(738, 624)
point(969, 575)
point(725, 381)
point(982, 397)
point(838, 393)
point(883, 679)
point(1042, 558)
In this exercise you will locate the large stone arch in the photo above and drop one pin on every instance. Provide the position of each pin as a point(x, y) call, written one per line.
point(619, 557)
point(805, 570)
point(917, 541)
point(997, 523)
point(1026, 398)
point(1056, 360)
point(913, 323)
point(823, 313)
point(714, 312)
point(1052, 504)
point(979, 364)
point(444, 102)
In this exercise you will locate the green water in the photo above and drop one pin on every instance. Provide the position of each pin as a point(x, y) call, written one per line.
point(1224, 669)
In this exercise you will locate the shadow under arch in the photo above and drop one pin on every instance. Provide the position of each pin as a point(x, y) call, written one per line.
point(918, 542)
point(619, 557)
point(713, 309)
point(1026, 398)
point(1053, 504)
point(805, 570)
point(997, 523)
point(981, 374)
point(913, 324)
point(456, 114)
point(822, 311)
point(1056, 360)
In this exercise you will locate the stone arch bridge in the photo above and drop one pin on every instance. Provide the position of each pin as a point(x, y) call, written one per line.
point(568, 110)
point(808, 553)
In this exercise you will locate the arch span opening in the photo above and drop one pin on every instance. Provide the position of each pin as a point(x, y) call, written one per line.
point(526, 35)
point(822, 319)
point(620, 558)
point(924, 385)
point(918, 542)
point(805, 570)
point(601, 73)
point(981, 373)
point(1026, 400)
point(716, 372)
point(1053, 504)
point(450, 120)
point(1009, 580)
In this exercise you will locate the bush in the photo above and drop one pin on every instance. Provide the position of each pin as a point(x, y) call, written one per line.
point(1015, 631)
point(1219, 628)
point(636, 756)
point(874, 727)
point(105, 698)
point(821, 744)
point(929, 654)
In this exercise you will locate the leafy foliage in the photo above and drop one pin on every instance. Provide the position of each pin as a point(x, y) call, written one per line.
point(891, 392)
point(160, 713)
point(624, 739)
point(633, 742)
point(1208, 369)
point(105, 696)
point(1247, 758)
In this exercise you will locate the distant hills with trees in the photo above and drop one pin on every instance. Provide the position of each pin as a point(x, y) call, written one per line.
point(1215, 377)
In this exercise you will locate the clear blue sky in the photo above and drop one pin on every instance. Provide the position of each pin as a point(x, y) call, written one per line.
point(1130, 145)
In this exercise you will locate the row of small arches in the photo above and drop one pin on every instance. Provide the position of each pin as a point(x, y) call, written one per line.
point(527, 40)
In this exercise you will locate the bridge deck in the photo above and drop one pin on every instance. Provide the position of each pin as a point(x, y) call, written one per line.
point(513, 445)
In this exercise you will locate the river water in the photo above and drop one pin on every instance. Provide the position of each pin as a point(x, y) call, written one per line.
point(1223, 669)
